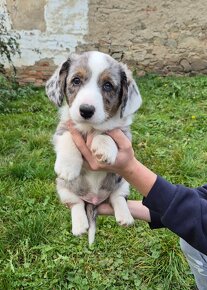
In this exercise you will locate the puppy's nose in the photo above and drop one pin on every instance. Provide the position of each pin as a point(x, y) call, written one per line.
point(86, 111)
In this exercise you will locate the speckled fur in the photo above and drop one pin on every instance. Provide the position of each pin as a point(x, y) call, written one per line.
point(113, 108)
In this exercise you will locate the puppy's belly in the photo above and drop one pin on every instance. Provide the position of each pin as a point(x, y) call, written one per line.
point(94, 180)
point(94, 198)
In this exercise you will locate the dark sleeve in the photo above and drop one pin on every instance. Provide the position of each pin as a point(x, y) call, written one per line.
point(155, 220)
point(182, 210)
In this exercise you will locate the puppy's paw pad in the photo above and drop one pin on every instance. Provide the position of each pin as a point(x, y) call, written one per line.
point(104, 149)
point(101, 158)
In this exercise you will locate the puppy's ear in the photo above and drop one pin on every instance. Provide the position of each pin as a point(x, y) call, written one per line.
point(55, 86)
point(131, 98)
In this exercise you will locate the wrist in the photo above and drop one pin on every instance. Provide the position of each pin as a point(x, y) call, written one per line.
point(129, 168)
point(139, 176)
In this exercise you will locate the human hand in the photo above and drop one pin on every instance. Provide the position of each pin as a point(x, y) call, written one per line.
point(125, 155)
point(137, 209)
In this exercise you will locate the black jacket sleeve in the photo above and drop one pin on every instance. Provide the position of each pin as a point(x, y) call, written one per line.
point(182, 210)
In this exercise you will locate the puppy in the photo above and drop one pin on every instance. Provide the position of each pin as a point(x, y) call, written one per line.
point(100, 95)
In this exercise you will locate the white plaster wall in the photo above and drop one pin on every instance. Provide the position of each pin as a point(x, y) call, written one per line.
point(66, 25)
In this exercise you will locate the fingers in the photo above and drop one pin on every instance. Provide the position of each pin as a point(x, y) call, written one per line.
point(90, 160)
point(123, 143)
point(119, 137)
point(80, 142)
point(89, 140)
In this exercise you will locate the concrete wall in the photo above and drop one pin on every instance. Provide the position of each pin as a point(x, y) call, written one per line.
point(161, 36)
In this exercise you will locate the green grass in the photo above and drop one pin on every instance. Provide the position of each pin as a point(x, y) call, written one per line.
point(37, 249)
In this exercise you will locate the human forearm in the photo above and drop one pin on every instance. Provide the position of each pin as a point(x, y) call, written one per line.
point(137, 209)
point(139, 176)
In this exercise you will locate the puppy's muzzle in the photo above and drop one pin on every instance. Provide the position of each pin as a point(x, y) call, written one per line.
point(86, 111)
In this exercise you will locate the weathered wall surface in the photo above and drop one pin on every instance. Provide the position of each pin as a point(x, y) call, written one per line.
point(49, 30)
point(27, 15)
point(161, 36)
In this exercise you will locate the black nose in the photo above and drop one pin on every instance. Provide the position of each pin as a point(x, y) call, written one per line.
point(86, 111)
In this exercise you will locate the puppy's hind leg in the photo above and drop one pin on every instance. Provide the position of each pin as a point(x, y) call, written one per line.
point(119, 204)
point(78, 214)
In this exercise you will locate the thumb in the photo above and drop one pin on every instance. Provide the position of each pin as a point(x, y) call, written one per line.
point(120, 138)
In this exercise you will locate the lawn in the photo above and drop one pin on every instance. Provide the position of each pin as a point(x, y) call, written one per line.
point(37, 249)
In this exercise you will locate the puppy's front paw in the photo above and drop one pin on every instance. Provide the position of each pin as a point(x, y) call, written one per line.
point(104, 149)
point(124, 218)
point(67, 169)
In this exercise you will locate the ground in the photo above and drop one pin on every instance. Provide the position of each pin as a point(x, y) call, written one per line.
point(37, 249)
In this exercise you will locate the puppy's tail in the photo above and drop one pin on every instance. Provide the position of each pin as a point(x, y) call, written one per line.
point(91, 214)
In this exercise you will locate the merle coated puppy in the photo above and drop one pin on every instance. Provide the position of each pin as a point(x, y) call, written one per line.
point(100, 95)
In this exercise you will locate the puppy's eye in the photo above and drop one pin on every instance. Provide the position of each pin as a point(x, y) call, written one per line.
point(107, 87)
point(76, 81)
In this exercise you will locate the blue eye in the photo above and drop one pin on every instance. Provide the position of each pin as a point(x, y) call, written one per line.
point(107, 87)
point(76, 81)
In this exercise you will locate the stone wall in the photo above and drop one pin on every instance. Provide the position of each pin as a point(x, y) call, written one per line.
point(163, 36)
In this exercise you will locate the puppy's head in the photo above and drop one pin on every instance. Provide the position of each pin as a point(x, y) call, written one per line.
point(96, 88)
